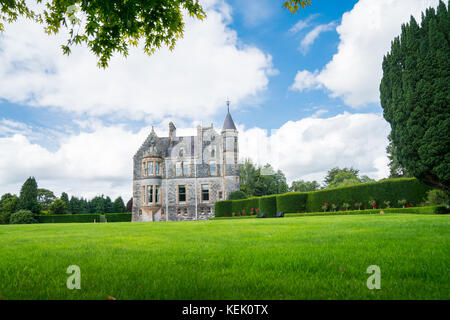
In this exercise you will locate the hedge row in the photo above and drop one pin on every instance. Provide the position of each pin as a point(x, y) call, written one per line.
point(409, 189)
point(393, 190)
point(415, 210)
point(118, 217)
point(68, 218)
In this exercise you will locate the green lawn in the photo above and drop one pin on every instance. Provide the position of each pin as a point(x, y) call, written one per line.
point(322, 257)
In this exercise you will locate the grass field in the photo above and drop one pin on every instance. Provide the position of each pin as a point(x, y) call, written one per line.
point(288, 258)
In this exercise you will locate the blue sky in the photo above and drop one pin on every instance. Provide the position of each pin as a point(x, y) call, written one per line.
point(305, 85)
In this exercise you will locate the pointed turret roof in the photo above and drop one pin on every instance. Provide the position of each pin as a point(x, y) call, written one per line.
point(228, 124)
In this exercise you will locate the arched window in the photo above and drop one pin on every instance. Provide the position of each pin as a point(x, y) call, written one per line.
point(213, 152)
point(140, 212)
point(181, 152)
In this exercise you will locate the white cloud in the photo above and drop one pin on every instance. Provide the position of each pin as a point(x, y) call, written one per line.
point(305, 80)
point(365, 33)
point(208, 65)
point(85, 164)
point(302, 24)
point(100, 159)
point(311, 36)
point(308, 148)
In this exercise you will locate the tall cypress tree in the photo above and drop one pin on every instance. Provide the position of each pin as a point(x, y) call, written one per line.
point(415, 96)
point(28, 199)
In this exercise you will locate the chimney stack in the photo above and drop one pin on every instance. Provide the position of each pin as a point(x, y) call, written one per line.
point(172, 133)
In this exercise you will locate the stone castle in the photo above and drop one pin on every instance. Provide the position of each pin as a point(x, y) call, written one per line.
point(180, 178)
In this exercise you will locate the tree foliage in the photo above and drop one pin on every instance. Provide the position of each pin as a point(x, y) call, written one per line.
point(8, 205)
point(415, 96)
point(107, 27)
point(130, 205)
point(333, 172)
point(58, 206)
point(237, 195)
point(45, 198)
point(28, 199)
point(22, 217)
point(259, 181)
point(119, 206)
point(294, 6)
point(395, 168)
point(304, 186)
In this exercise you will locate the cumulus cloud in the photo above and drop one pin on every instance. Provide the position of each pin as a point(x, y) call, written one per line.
point(305, 80)
point(308, 148)
point(84, 165)
point(365, 33)
point(100, 158)
point(209, 64)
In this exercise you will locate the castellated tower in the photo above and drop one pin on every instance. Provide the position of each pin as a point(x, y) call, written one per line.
point(178, 178)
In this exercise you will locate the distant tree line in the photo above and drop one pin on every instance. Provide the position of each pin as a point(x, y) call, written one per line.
point(43, 201)
point(264, 180)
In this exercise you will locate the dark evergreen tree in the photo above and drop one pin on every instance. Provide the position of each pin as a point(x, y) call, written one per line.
point(415, 96)
point(28, 199)
point(395, 168)
point(130, 205)
point(119, 206)
point(97, 205)
point(109, 206)
point(74, 205)
point(65, 198)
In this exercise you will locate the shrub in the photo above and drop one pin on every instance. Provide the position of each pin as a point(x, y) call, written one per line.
point(390, 190)
point(437, 197)
point(292, 202)
point(68, 218)
point(373, 203)
point(223, 208)
point(118, 217)
point(237, 195)
point(246, 205)
point(268, 205)
point(22, 217)
point(401, 202)
point(387, 203)
point(345, 206)
point(58, 207)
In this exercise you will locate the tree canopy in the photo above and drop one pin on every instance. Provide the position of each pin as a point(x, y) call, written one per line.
point(415, 96)
point(259, 181)
point(28, 199)
point(110, 26)
point(304, 186)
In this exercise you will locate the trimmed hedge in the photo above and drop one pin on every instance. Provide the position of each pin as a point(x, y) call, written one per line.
point(292, 202)
point(68, 218)
point(118, 217)
point(415, 210)
point(268, 205)
point(391, 190)
point(223, 208)
point(238, 206)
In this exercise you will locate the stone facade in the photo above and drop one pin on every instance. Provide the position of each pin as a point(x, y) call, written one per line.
point(180, 178)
